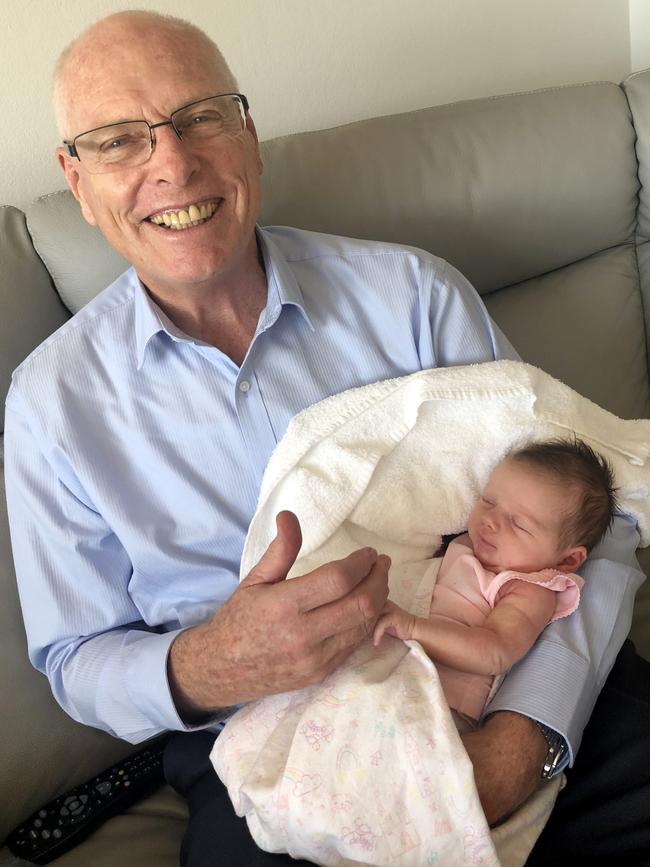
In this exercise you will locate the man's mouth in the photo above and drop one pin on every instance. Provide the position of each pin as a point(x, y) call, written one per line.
point(184, 218)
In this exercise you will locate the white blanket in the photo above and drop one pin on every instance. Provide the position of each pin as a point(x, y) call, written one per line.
point(333, 773)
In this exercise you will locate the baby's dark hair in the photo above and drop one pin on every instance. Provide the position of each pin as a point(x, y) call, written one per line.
point(576, 465)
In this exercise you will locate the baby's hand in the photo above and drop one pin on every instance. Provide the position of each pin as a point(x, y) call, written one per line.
point(395, 621)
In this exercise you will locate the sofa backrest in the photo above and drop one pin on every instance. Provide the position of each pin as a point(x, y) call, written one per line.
point(533, 196)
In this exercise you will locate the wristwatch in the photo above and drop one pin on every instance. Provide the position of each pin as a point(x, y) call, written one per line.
point(557, 749)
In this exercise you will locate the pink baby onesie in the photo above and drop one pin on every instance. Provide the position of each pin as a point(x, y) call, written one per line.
point(466, 592)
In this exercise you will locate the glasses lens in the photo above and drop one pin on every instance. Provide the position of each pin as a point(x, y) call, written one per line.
point(210, 119)
point(114, 147)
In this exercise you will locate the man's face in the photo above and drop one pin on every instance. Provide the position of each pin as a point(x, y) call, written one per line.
point(518, 519)
point(137, 78)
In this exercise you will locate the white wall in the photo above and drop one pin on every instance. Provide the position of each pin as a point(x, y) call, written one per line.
point(639, 35)
point(316, 63)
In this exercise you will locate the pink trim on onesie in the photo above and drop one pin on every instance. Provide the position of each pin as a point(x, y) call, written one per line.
point(567, 587)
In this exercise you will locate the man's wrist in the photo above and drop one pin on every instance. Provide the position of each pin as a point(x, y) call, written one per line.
point(185, 686)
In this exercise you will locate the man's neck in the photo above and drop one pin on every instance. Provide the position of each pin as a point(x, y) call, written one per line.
point(224, 314)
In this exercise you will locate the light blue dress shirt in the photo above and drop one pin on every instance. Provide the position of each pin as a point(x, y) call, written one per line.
point(134, 456)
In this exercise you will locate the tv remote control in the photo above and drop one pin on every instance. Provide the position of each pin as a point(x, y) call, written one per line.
point(68, 819)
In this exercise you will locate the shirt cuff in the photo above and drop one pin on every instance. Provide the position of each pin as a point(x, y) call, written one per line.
point(566, 719)
point(148, 686)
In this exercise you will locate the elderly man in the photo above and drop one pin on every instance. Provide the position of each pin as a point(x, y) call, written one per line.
point(137, 436)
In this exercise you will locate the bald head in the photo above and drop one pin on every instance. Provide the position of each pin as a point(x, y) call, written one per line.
point(118, 37)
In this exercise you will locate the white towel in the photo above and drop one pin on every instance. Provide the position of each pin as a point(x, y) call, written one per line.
point(399, 463)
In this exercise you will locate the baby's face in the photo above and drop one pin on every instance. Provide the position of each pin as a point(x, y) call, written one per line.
point(517, 521)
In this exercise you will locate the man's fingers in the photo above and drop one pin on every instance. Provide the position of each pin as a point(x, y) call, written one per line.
point(333, 581)
point(281, 554)
point(359, 609)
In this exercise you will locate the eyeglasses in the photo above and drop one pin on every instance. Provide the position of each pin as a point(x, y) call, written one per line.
point(131, 143)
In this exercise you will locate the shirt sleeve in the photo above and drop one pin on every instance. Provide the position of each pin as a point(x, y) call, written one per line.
point(106, 667)
point(558, 681)
point(460, 328)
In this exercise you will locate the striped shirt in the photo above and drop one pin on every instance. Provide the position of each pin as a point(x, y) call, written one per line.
point(134, 456)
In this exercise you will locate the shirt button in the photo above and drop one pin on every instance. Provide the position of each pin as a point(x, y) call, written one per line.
point(244, 385)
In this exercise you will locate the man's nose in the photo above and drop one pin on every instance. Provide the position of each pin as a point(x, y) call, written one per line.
point(172, 160)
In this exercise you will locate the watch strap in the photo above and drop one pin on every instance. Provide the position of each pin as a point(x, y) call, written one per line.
point(557, 749)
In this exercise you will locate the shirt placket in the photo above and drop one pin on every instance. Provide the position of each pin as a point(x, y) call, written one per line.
point(254, 421)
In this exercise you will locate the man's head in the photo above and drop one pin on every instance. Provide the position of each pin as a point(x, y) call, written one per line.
point(545, 505)
point(144, 66)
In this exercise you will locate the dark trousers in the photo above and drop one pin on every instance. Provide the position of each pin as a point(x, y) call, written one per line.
point(601, 817)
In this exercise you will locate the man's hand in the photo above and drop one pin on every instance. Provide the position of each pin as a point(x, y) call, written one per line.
point(507, 753)
point(274, 635)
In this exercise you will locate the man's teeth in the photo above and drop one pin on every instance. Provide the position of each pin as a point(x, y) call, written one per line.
point(193, 216)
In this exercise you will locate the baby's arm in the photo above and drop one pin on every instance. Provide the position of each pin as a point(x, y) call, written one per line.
point(521, 612)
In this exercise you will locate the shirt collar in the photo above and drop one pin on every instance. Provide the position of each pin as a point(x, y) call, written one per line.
point(150, 320)
point(282, 287)
point(282, 290)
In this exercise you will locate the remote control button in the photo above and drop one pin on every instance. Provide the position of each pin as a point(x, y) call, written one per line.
point(38, 823)
point(83, 798)
point(33, 835)
point(64, 811)
point(103, 788)
point(45, 834)
point(57, 833)
point(71, 803)
point(42, 813)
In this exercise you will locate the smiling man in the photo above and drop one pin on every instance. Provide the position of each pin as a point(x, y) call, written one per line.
point(185, 219)
point(137, 435)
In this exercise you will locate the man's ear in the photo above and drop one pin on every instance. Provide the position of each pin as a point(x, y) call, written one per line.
point(69, 166)
point(572, 559)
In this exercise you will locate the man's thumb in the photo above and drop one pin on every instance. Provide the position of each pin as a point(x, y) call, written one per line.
point(281, 554)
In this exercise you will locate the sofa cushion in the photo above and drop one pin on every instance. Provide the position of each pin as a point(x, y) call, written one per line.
point(637, 89)
point(76, 254)
point(31, 309)
point(584, 325)
point(505, 188)
point(643, 258)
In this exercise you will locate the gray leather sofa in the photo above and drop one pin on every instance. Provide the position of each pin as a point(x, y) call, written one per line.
point(542, 199)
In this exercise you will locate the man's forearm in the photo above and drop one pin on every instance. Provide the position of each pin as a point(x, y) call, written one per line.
point(507, 753)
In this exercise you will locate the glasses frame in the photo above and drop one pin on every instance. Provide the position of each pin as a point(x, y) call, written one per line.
point(72, 148)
